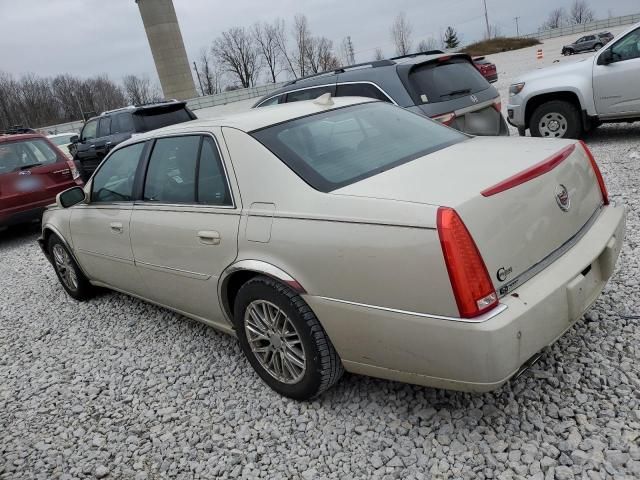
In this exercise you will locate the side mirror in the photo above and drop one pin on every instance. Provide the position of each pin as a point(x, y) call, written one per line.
point(605, 57)
point(70, 197)
point(74, 139)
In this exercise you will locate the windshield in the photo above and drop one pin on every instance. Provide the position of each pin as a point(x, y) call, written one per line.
point(150, 119)
point(24, 154)
point(62, 139)
point(443, 81)
point(340, 147)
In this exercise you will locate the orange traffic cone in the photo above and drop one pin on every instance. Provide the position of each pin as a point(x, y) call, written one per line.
point(539, 55)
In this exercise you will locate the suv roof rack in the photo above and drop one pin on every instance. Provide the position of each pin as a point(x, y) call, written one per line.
point(17, 130)
point(374, 64)
point(140, 105)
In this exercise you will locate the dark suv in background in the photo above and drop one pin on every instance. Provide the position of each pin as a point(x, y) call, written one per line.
point(445, 87)
point(100, 134)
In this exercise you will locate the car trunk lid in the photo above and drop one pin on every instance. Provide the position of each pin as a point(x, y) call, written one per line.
point(514, 228)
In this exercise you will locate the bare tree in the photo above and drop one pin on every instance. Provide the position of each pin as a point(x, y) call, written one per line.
point(210, 74)
point(302, 39)
point(494, 31)
point(140, 90)
point(428, 44)
point(266, 36)
point(556, 18)
point(347, 51)
point(378, 55)
point(401, 31)
point(286, 57)
point(236, 51)
point(580, 12)
point(319, 56)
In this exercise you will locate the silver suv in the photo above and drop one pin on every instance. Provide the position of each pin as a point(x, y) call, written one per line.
point(445, 87)
point(569, 99)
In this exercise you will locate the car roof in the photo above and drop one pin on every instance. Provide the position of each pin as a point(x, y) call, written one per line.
point(255, 119)
point(19, 136)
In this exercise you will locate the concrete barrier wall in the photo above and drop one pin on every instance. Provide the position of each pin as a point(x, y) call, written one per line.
point(194, 104)
point(585, 27)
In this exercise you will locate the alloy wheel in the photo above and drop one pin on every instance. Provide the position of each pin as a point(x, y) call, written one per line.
point(274, 341)
point(64, 266)
point(553, 125)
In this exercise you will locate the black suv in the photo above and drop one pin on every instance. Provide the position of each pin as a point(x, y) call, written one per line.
point(445, 87)
point(100, 134)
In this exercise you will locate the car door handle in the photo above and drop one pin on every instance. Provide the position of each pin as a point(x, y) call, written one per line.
point(209, 237)
point(116, 227)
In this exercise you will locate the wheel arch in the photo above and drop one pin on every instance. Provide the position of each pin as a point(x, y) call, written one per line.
point(241, 272)
point(47, 231)
point(534, 102)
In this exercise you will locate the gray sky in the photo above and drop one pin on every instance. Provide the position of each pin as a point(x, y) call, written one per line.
point(88, 37)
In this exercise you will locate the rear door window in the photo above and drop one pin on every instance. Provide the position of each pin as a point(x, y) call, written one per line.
point(122, 123)
point(213, 188)
point(171, 174)
point(104, 127)
point(444, 81)
point(361, 90)
point(310, 93)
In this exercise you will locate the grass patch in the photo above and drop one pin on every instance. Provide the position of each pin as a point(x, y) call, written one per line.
point(499, 44)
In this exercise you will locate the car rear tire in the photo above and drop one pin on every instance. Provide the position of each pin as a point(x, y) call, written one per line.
point(284, 341)
point(71, 277)
point(597, 46)
point(556, 119)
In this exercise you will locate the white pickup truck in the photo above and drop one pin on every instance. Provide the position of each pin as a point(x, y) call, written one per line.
point(567, 100)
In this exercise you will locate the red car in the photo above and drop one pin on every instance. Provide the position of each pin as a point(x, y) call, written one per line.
point(486, 68)
point(32, 172)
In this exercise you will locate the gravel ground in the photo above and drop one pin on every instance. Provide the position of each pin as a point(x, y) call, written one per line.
point(116, 388)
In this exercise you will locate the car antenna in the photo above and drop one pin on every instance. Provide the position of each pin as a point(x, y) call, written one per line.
point(324, 100)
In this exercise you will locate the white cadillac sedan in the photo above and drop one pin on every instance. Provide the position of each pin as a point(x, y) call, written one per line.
point(348, 234)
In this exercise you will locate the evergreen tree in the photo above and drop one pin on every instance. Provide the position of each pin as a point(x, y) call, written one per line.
point(451, 38)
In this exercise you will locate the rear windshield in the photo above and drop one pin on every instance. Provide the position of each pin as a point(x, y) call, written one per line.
point(336, 148)
point(22, 155)
point(150, 119)
point(443, 81)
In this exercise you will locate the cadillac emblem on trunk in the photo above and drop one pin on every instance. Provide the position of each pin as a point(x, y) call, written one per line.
point(562, 198)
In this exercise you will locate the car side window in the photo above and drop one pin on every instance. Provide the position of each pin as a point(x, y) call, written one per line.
point(309, 93)
point(213, 188)
point(171, 174)
point(361, 90)
point(104, 127)
point(272, 101)
point(589, 38)
point(628, 47)
point(122, 123)
point(89, 130)
point(113, 182)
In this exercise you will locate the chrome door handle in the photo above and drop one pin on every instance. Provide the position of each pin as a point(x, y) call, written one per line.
point(92, 146)
point(116, 227)
point(209, 237)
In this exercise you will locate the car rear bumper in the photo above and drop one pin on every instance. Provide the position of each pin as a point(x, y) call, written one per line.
point(477, 356)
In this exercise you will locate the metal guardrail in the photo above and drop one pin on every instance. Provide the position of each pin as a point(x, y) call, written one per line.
point(585, 27)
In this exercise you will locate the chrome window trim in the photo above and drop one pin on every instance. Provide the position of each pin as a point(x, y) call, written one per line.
point(527, 275)
point(222, 161)
point(355, 82)
point(501, 307)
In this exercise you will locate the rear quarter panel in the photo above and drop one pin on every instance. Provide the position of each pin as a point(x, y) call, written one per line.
point(378, 252)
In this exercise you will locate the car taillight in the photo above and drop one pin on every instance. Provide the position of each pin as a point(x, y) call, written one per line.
point(497, 104)
point(468, 274)
point(596, 169)
point(530, 173)
point(446, 118)
point(74, 171)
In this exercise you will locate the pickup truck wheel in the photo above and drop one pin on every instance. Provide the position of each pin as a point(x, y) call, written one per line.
point(556, 119)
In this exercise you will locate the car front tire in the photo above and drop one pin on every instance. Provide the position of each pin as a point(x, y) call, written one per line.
point(597, 46)
point(284, 341)
point(71, 277)
point(556, 119)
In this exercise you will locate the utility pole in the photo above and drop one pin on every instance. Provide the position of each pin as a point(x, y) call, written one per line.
point(199, 81)
point(350, 53)
point(486, 19)
point(517, 28)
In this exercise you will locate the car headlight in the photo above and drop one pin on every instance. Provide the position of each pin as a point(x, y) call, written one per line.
point(515, 88)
